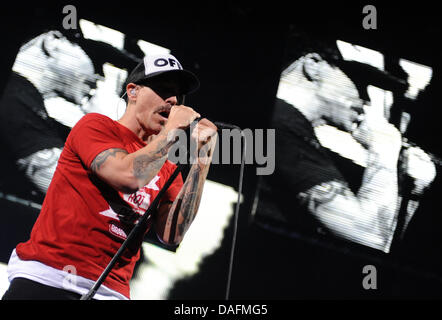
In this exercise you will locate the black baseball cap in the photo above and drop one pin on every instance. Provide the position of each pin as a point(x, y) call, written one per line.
point(167, 67)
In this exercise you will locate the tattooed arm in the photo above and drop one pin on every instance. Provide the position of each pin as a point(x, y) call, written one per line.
point(368, 217)
point(174, 219)
point(128, 172)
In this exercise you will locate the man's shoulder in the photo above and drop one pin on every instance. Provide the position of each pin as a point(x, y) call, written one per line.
point(95, 116)
point(20, 91)
point(288, 118)
point(90, 123)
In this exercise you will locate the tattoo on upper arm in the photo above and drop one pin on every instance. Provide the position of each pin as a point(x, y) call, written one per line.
point(147, 165)
point(102, 157)
point(322, 194)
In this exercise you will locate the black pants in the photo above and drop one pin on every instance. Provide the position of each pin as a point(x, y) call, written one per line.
point(25, 289)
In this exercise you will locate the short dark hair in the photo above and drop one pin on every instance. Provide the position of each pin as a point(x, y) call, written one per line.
point(301, 44)
point(361, 74)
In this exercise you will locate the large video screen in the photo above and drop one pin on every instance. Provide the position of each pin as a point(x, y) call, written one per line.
point(347, 168)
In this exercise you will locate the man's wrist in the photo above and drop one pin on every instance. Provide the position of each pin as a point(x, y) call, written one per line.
point(386, 159)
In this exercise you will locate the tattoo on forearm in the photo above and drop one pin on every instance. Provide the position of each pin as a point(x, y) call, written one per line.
point(374, 167)
point(172, 221)
point(146, 166)
point(190, 200)
point(186, 206)
point(322, 194)
point(102, 157)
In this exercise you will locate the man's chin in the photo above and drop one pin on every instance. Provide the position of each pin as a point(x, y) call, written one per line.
point(158, 128)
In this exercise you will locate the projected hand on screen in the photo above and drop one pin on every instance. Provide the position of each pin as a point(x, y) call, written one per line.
point(381, 138)
point(377, 134)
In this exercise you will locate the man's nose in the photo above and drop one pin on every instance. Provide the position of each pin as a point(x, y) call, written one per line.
point(173, 100)
point(358, 109)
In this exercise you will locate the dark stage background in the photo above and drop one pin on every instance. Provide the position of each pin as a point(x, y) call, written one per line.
point(238, 52)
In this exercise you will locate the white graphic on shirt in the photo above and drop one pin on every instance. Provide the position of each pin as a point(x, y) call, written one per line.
point(117, 231)
point(138, 201)
point(152, 184)
point(110, 213)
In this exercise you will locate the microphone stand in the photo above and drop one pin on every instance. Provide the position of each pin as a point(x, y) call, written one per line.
point(139, 228)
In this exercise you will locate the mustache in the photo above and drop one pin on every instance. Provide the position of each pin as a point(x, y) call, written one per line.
point(164, 108)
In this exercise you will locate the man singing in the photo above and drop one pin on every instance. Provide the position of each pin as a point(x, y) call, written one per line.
point(107, 175)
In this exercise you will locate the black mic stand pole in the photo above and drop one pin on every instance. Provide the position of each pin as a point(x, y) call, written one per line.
point(139, 228)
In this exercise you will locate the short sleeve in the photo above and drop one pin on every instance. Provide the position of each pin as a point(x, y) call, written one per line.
point(301, 162)
point(93, 134)
point(301, 166)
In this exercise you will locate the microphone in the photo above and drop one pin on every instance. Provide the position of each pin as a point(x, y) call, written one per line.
point(219, 125)
point(409, 144)
point(222, 125)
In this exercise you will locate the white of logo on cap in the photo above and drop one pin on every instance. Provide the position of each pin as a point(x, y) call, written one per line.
point(161, 63)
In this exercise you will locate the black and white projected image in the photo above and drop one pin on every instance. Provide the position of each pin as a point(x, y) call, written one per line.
point(344, 166)
point(55, 80)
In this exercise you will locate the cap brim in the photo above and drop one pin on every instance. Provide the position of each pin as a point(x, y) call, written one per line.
point(186, 80)
point(362, 75)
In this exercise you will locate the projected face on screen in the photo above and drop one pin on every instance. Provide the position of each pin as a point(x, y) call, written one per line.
point(69, 70)
point(335, 95)
point(55, 80)
point(338, 149)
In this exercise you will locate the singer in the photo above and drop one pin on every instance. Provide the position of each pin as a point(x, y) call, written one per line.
point(107, 175)
point(335, 197)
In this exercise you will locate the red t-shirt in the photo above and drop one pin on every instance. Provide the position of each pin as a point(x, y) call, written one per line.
point(80, 222)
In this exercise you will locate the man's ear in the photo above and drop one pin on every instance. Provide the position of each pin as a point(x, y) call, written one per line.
point(311, 67)
point(50, 44)
point(131, 91)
